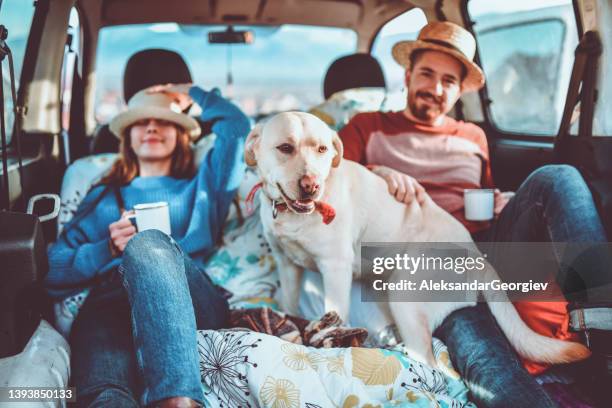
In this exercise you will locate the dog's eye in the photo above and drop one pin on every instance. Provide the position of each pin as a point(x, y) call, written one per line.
point(322, 149)
point(285, 148)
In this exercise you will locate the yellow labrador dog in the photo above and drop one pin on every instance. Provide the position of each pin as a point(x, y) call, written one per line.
point(299, 160)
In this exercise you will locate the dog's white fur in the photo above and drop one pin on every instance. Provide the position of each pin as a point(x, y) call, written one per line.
point(365, 212)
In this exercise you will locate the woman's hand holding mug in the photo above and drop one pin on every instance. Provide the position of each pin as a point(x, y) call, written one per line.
point(121, 232)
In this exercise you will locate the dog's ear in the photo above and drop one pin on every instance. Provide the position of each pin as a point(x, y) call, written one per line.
point(251, 144)
point(339, 150)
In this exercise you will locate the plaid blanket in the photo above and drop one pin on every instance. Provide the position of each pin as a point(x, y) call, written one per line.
point(326, 332)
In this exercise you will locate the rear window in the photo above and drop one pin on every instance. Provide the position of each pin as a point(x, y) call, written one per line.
point(527, 51)
point(282, 69)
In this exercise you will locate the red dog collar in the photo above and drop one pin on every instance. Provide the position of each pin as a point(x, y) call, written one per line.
point(327, 211)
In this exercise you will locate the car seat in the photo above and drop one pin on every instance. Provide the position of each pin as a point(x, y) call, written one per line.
point(352, 71)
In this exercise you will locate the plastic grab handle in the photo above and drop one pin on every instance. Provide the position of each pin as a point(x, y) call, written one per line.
point(56, 206)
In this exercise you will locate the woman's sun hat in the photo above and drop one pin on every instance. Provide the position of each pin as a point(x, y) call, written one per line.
point(158, 105)
point(449, 38)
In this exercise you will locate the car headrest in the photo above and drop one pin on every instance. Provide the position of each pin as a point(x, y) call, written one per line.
point(358, 70)
point(153, 67)
point(104, 141)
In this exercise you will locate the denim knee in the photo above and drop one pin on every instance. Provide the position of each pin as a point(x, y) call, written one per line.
point(562, 180)
point(147, 241)
point(109, 396)
point(147, 247)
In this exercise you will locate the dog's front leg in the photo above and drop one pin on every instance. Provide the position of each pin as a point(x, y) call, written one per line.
point(337, 280)
point(290, 276)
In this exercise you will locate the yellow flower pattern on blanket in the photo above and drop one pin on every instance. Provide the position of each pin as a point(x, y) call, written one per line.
point(298, 358)
point(336, 364)
point(374, 368)
point(444, 358)
point(279, 393)
point(411, 396)
point(271, 373)
point(352, 401)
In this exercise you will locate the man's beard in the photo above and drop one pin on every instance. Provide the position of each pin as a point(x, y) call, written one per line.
point(426, 112)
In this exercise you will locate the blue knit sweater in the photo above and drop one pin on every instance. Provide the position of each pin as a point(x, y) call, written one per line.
point(198, 206)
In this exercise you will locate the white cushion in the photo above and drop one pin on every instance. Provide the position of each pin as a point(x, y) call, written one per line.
point(44, 362)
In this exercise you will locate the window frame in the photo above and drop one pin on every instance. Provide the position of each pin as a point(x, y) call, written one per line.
point(376, 32)
point(373, 40)
point(74, 142)
point(483, 93)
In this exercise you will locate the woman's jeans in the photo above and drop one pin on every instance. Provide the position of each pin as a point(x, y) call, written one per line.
point(553, 204)
point(138, 340)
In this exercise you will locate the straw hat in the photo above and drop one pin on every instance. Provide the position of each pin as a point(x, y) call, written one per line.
point(144, 105)
point(448, 38)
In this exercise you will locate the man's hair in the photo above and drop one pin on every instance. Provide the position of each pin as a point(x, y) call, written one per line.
point(416, 55)
point(126, 167)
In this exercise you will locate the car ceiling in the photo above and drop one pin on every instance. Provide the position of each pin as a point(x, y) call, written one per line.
point(366, 17)
point(340, 13)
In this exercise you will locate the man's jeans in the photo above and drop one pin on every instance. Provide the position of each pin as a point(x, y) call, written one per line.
point(139, 339)
point(553, 204)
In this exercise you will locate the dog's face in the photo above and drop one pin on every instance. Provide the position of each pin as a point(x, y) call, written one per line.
point(294, 153)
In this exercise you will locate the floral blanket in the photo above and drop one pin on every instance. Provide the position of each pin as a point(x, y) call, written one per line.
point(249, 369)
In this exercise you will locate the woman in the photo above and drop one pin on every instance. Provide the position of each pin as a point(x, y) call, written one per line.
point(135, 336)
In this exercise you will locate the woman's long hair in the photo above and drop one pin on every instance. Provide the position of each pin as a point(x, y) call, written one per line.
point(126, 167)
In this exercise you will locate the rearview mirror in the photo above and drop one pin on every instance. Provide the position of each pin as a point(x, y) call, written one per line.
point(230, 36)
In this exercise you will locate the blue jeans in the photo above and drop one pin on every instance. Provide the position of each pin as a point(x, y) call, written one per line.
point(135, 337)
point(552, 204)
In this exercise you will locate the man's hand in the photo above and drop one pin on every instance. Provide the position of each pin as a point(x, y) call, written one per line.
point(403, 187)
point(178, 92)
point(121, 231)
point(501, 199)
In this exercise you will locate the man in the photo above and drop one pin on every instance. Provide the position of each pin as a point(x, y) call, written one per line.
point(422, 149)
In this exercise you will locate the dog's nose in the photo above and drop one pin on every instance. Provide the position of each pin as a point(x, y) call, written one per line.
point(308, 185)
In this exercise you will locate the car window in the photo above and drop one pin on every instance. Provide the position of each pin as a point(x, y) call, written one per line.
point(406, 26)
point(282, 69)
point(16, 15)
point(526, 51)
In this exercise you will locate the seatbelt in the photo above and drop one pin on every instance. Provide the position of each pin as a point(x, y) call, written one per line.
point(581, 90)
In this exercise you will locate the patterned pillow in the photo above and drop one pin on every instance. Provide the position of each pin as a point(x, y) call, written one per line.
point(339, 108)
point(78, 179)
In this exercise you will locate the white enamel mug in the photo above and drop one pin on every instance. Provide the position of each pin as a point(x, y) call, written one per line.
point(479, 204)
point(153, 216)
